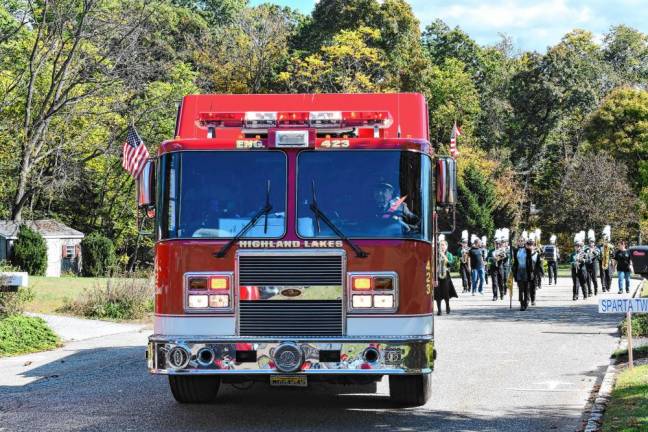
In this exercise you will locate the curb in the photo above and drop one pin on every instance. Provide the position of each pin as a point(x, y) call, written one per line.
point(595, 420)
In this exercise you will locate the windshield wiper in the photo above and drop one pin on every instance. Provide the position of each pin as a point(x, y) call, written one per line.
point(320, 215)
point(263, 211)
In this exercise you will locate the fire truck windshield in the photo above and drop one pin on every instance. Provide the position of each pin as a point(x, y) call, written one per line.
point(365, 193)
point(215, 194)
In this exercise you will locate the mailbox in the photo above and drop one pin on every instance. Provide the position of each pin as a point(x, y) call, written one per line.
point(639, 257)
point(11, 281)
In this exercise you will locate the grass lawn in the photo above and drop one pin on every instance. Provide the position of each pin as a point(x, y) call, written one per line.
point(50, 292)
point(628, 409)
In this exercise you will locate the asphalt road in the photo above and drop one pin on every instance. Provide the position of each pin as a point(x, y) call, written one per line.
point(497, 370)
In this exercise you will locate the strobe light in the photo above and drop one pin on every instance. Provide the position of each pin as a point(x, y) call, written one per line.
point(288, 357)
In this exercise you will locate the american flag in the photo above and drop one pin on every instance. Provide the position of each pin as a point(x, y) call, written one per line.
point(454, 152)
point(135, 153)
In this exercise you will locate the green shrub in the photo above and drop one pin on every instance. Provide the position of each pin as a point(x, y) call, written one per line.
point(30, 252)
point(98, 254)
point(117, 298)
point(21, 334)
point(639, 325)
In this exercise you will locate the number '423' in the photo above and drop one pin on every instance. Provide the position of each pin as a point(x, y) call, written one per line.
point(343, 143)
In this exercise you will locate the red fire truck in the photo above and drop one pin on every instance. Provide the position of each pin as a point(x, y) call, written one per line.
point(295, 242)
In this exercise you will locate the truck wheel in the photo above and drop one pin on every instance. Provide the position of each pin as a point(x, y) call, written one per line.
point(194, 389)
point(410, 390)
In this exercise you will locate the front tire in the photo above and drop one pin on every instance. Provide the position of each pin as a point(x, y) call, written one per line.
point(194, 389)
point(410, 390)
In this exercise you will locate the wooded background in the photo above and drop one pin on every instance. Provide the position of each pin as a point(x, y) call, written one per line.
point(556, 140)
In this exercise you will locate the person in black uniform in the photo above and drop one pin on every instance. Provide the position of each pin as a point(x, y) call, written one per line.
point(445, 290)
point(524, 269)
point(607, 252)
point(464, 262)
point(593, 263)
point(578, 269)
point(551, 255)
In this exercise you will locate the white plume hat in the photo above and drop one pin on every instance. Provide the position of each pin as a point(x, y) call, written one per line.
point(538, 234)
point(607, 232)
point(590, 235)
point(473, 237)
point(483, 240)
point(464, 236)
point(553, 239)
point(525, 235)
point(441, 237)
point(506, 233)
point(498, 235)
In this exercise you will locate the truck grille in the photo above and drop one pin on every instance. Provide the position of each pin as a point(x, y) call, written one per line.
point(291, 318)
point(284, 270)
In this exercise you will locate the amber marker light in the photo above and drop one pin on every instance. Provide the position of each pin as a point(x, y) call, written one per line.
point(362, 283)
point(219, 282)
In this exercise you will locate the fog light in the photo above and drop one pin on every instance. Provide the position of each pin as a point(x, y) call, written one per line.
point(384, 301)
point(197, 301)
point(219, 301)
point(361, 301)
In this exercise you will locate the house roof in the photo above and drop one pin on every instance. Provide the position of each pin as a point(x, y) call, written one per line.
point(48, 228)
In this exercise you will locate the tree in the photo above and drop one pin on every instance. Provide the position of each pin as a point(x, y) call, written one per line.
point(347, 65)
point(69, 66)
point(251, 51)
point(626, 50)
point(451, 96)
point(98, 254)
point(620, 128)
point(30, 251)
point(594, 193)
point(476, 202)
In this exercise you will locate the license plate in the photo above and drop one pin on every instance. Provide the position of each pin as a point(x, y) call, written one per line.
point(288, 380)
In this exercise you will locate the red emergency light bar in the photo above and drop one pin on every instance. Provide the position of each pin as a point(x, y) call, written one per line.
point(312, 119)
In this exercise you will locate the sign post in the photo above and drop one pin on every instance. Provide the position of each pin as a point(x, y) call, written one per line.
point(627, 306)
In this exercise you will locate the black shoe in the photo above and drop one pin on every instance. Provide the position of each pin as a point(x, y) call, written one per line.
point(589, 293)
point(447, 310)
point(494, 298)
point(502, 297)
point(575, 298)
point(439, 312)
point(533, 303)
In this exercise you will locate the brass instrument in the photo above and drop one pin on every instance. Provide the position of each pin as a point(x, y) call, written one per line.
point(443, 265)
point(580, 258)
point(465, 256)
point(500, 254)
point(606, 252)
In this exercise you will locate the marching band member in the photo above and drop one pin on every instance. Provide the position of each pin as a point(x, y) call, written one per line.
point(592, 263)
point(445, 290)
point(578, 270)
point(607, 252)
point(540, 272)
point(492, 262)
point(552, 256)
point(506, 265)
point(485, 255)
point(525, 261)
point(464, 263)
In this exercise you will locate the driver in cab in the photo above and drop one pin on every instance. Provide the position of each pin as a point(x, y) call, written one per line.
point(393, 210)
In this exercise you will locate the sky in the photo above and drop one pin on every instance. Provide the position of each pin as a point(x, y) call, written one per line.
point(533, 25)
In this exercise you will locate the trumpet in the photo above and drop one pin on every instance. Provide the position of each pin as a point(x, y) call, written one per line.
point(580, 257)
point(500, 254)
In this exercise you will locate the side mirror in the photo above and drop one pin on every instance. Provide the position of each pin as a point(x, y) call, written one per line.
point(446, 182)
point(146, 187)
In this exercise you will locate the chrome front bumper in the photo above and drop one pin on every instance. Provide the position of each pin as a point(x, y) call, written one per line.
point(334, 356)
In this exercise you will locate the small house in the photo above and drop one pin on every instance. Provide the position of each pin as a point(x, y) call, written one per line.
point(63, 244)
